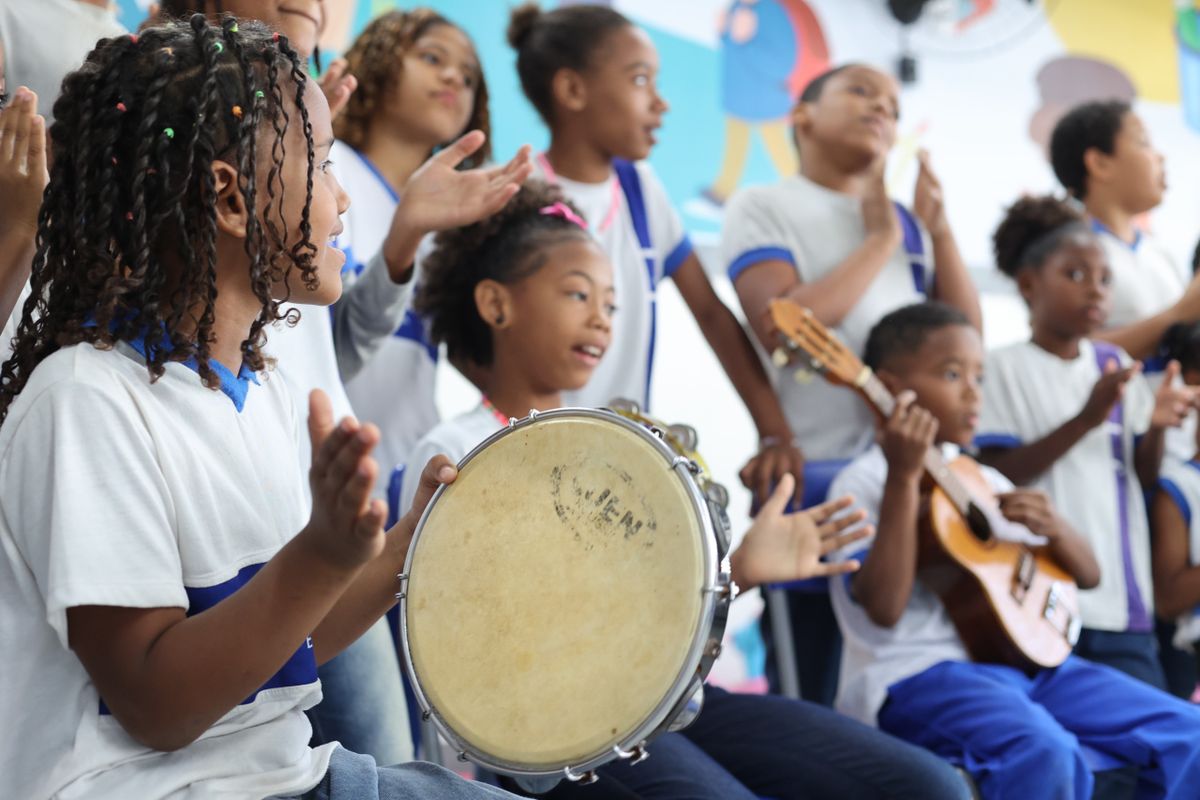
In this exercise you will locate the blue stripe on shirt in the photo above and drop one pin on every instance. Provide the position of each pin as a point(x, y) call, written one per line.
point(299, 670)
point(1002, 440)
point(677, 256)
point(757, 255)
point(1176, 494)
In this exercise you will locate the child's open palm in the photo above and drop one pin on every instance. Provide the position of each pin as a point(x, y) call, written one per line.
point(346, 524)
point(928, 203)
point(440, 196)
point(787, 547)
point(23, 175)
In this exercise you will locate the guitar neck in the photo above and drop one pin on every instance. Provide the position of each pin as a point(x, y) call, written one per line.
point(878, 396)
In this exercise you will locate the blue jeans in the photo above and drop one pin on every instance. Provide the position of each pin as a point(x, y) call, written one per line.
point(1041, 736)
point(364, 707)
point(745, 746)
point(352, 776)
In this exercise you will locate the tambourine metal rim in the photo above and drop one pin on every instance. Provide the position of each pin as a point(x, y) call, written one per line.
point(711, 592)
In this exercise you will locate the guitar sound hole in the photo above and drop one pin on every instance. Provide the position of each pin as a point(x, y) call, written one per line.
point(978, 523)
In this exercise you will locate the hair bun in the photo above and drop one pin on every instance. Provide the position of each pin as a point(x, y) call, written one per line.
point(521, 23)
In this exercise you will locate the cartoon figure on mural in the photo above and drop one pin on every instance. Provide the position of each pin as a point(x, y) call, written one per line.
point(769, 50)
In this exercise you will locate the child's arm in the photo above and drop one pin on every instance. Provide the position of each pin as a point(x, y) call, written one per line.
point(168, 677)
point(1141, 339)
point(374, 591)
point(23, 178)
point(1172, 404)
point(437, 196)
point(1033, 509)
point(884, 584)
point(736, 353)
point(1024, 463)
point(1176, 579)
point(953, 284)
point(832, 296)
point(781, 547)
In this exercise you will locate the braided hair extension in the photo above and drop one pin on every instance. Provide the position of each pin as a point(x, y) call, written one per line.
point(127, 232)
point(376, 59)
point(506, 247)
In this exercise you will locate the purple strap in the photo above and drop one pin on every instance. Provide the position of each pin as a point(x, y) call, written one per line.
point(1139, 619)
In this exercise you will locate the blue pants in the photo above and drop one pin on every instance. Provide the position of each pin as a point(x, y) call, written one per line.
point(746, 746)
point(363, 705)
point(1135, 654)
point(1023, 737)
point(352, 776)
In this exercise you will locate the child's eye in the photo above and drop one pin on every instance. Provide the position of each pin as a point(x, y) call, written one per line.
point(641, 80)
point(858, 89)
point(469, 80)
point(430, 58)
point(577, 295)
point(952, 374)
point(610, 309)
point(1075, 275)
point(1106, 279)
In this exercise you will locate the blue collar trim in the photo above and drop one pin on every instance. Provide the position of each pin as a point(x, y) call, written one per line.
point(1100, 227)
point(235, 387)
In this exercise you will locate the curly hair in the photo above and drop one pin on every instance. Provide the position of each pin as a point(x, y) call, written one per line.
point(547, 41)
point(1089, 126)
point(376, 59)
point(1181, 343)
point(505, 248)
point(127, 232)
point(906, 329)
point(1025, 222)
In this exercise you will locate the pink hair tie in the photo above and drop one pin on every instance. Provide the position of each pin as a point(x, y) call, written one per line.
point(561, 209)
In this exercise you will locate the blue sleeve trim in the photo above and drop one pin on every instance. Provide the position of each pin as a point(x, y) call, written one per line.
point(759, 254)
point(677, 256)
point(1174, 492)
point(1002, 440)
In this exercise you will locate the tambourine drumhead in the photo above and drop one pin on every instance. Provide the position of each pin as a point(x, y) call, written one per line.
point(555, 590)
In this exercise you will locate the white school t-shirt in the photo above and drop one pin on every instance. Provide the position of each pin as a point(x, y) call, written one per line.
point(1027, 395)
point(394, 388)
point(118, 492)
point(625, 370)
point(874, 657)
point(453, 438)
point(814, 229)
point(1181, 482)
point(1145, 279)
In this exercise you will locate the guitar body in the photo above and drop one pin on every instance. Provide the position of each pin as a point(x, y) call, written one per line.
point(1010, 604)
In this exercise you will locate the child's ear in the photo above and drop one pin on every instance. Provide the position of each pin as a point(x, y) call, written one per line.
point(232, 215)
point(1096, 164)
point(801, 119)
point(493, 301)
point(569, 90)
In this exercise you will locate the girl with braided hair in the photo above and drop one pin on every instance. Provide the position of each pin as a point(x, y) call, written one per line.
point(364, 706)
point(169, 592)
